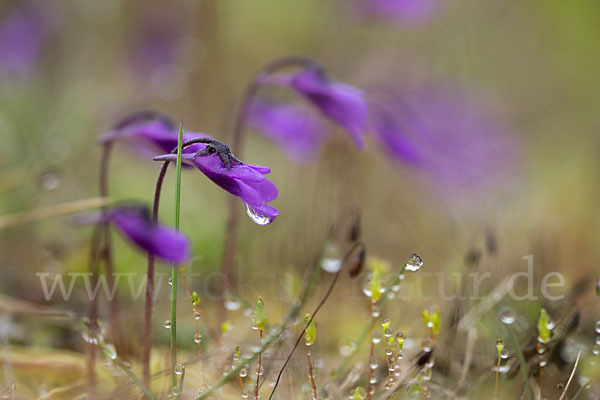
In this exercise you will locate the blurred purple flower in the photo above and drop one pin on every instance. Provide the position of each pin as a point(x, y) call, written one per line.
point(246, 181)
point(292, 127)
point(407, 10)
point(343, 104)
point(443, 133)
point(150, 133)
point(21, 37)
point(157, 44)
point(135, 223)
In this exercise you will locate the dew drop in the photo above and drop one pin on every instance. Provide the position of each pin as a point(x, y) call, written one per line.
point(504, 354)
point(197, 338)
point(376, 337)
point(110, 351)
point(243, 373)
point(196, 315)
point(598, 327)
point(168, 324)
point(507, 316)
point(231, 303)
point(332, 260)
point(414, 262)
point(170, 281)
point(245, 394)
point(258, 218)
point(179, 369)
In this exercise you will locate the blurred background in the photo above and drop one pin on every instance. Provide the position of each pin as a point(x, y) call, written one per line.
point(508, 167)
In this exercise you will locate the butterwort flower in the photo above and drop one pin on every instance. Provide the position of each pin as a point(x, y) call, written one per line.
point(343, 104)
point(150, 133)
point(293, 127)
point(135, 223)
point(442, 132)
point(22, 34)
point(246, 181)
point(406, 10)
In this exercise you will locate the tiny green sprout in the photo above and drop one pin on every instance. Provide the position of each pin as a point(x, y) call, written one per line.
point(237, 352)
point(425, 317)
point(359, 394)
point(260, 317)
point(436, 320)
point(225, 327)
point(311, 331)
point(375, 285)
point(400, 339)
point(385, 324)
point(500, 346)
point(543, 329)
point(195, 299)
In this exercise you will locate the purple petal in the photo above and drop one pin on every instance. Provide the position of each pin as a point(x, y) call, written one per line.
point(292, 127)
point(151, 133)
point(342, 103)
point(134, 223)
point(407, 10)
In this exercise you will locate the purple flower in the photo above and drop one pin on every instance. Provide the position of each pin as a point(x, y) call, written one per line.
point(21, 37)
point(443, 133)
point(246, 181)
point(343, 104)
point(293, 127)
point(135, 223)
point(150, 133)
point(407, 10)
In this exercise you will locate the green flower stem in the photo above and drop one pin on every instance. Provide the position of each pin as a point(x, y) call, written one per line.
point(367, 328)
point(175, 267)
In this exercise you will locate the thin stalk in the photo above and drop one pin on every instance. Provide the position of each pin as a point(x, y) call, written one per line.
point(314, 313)
point(150, 271)
point(237, 146)
point(497, 373)
point(310, 372)
point(522, 362)
point(260, 332)
point(124, 367)
point(273, 336)
point(372, 351)
point(366, 329)
point(150, 283)
point(106, 250)
point(175, 267)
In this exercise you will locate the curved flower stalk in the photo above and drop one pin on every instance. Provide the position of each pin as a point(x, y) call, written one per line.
point(341, 103)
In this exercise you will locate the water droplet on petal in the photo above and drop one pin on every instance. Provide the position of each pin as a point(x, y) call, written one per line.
point(414, 263)
point(258, 218)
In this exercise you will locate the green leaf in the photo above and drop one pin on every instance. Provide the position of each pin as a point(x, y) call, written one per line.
point(500, 346)
point(260, 317)
point(311, 331)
